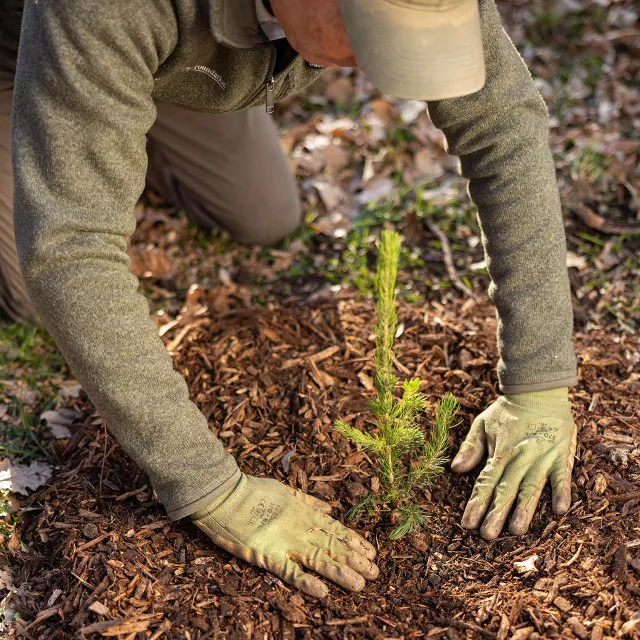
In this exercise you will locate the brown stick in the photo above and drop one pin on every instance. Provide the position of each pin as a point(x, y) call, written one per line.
point(448, 259)
point(594, 221)
point(624, 497)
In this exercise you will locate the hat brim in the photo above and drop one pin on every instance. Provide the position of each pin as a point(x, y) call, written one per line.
point(416, 50)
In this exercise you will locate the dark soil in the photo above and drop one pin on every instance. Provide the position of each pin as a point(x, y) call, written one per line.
point(97, 555)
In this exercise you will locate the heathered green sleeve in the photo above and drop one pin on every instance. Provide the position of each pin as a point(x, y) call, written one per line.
point(82, 106)
point(501, 137)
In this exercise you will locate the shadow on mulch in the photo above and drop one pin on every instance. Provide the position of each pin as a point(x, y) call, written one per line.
point(99, 557)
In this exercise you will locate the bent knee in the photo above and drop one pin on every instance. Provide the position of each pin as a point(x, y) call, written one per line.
point(265, 225)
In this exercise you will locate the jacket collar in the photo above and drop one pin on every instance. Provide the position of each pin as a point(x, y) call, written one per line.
point(235, 23)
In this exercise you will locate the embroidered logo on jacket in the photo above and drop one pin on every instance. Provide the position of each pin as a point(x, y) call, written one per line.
point(214, 75)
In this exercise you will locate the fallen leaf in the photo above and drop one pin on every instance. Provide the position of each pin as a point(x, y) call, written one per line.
point(336, 157)
point(340, 90)
point(340, 124)
point(411, 109)
point(377, 189)
point(606, 258)
point(149, 261)
point(21, 392)
point(576, 261)
point(427, 166)
point(59, 422)
point(21, 477)
point(382, 109)
point(72, 391)
point(336, 225)
point(332, 195)
point(6, 579)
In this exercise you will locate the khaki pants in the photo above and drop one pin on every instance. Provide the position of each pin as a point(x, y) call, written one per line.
point(225, 171)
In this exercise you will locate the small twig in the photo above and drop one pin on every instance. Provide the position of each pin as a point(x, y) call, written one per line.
point(624, 497)
point(339, 622)
point(130, 494)
point(448, 259)
point(92, 543)
point(574, 558)
point(595, 221)
point(104, 458)
point(165, 626)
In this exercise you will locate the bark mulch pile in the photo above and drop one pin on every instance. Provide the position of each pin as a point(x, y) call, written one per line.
point(98, 557)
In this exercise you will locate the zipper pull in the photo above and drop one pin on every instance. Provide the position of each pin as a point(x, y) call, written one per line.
point(270, 86)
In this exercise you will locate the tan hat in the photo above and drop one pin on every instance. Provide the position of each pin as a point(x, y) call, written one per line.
point(418, 49)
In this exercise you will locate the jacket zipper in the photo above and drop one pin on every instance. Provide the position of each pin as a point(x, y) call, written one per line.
point(271, 81)
point(270, 84)
point(270, 87)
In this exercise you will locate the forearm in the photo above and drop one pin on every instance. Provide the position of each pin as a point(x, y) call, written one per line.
point(89, 304)
point(81, 113)
point(501, 137)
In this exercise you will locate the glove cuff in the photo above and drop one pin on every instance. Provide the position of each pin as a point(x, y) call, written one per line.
point(220, 499)
point(554, 402)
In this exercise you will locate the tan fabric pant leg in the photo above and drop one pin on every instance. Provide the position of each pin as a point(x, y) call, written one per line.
point(14, 300)
point(225, 171)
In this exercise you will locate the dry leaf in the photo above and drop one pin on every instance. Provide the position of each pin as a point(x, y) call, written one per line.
point(411, 109)
point(377, 189)
point(427, 166)
point(71, 391)
point(336, 157)
point(576, 261)
point(151, 262)
point(606, 258)
point(21, 477)
point(6, 579)
point(59, 422)
point(340, 89)
point(332, 195)
point(21, 392)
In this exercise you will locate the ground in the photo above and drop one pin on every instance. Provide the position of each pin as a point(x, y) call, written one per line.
point(276, 344)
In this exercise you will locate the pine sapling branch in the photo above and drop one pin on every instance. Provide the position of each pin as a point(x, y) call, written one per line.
point(405, 459)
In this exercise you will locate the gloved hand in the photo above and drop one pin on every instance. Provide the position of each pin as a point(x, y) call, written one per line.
point(280, 529)
point(528, 437)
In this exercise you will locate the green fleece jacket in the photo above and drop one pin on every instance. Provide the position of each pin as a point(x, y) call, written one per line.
point(87, 77)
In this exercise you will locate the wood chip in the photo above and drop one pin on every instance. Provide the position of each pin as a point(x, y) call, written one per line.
point(578, 628)
point(562, 603)
point(99, 608)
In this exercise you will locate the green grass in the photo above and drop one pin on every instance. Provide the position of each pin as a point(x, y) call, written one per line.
point(27, 356)
point(348, 261)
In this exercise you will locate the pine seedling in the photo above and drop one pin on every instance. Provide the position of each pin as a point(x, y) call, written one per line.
point(405, 459)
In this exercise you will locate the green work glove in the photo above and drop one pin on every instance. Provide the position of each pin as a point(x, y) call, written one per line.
point(528, 437)
point(280, 529)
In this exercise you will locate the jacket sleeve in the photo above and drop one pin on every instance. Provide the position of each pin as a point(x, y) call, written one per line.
point(82, 106)
point(501, 137)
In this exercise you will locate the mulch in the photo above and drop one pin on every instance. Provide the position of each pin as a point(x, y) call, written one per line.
point(96, 556)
